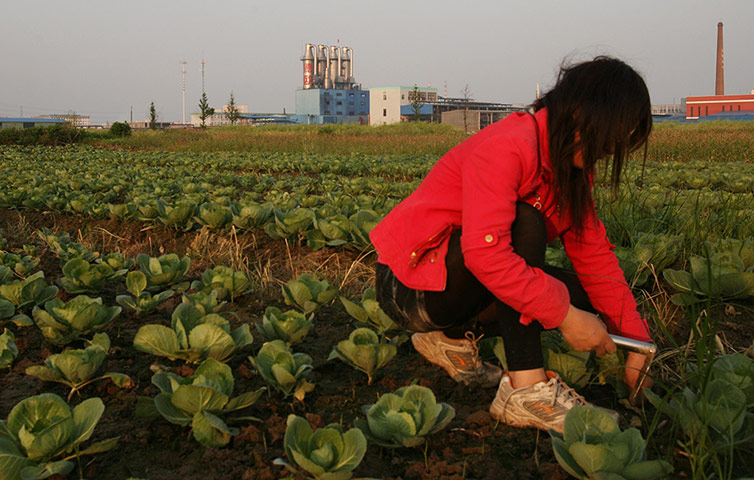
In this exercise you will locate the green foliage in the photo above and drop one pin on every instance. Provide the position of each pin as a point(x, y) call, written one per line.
point(213, 215)
point(404, 418)
point(326, 454)
point(42, 428)
point(164, 271)
point(120, 129)
point(722, 276)
point(364, 351)
point(152, 117)
point(180, 215)
point(206, 302)
point(66, 249)
point(53, 135)
point(308, 293)
point(8, 349)
point(714, 411)
point(368, 312)
point(193, 336)
point(116, 261)
point(205, 111)
point(572, 366)
point(202, 400)
point(232, 111)
point(284, 370)
point(290, 326)
point(29, 292)
point(250, 215)
point(142, 301)
point(592, 446)
point(651, 252)
point(75, 368)
point(228, 283)
point(63, 322)
point(20, 265)
point(80, 276)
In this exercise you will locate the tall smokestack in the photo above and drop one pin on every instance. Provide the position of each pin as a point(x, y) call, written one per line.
point(719, 80)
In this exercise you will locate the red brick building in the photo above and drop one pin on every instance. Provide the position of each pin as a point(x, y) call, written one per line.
point(704, 106)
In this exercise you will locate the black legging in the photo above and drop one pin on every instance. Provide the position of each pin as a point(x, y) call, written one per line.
point(466, 305)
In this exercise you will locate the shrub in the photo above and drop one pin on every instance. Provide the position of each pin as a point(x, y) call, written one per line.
point(120, 129)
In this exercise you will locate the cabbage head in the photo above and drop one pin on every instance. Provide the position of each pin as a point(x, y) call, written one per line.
point(63, 322)
point(405, 417)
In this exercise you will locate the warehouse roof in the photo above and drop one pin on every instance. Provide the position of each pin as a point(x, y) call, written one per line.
point(35, 120)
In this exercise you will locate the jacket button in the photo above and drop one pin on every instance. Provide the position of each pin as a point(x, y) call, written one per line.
point(488, 238)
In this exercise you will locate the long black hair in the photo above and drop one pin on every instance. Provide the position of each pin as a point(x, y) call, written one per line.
point(606, 103)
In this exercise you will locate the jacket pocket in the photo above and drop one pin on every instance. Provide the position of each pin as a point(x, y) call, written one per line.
point(433, 241)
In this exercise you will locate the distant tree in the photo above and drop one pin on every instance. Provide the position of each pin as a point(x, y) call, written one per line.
point(152, 117)
point(120, 129)
point(466, 97)
point(205, 111)
point(232, 111)
point(416, 103)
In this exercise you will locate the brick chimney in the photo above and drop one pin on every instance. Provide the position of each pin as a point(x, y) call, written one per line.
point(719, 79)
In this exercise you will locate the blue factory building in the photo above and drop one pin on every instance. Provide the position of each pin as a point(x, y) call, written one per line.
point(330, 93)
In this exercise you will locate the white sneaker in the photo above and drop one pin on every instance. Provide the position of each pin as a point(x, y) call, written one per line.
point(460, 358)
point(543, 405)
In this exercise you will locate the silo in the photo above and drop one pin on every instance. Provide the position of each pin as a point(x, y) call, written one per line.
point(346, 72)
point(308, 60)
point(323, 73)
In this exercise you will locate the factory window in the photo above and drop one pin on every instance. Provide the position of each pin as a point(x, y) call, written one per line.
point(327, 112)
point(363, 95)
point(739, 108)
point(384, 112)
point(403, 96)
point(706, 110)
point(723, 108)
point(384, 95)
point(327, 102)
point(350, 103)
point(350, 94)
point(363, 104)
point(340, 94)
point(28, 124)
point(351, 112)
point(339, 102)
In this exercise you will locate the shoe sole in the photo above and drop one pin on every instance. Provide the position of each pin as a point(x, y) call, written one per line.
point(535, 422)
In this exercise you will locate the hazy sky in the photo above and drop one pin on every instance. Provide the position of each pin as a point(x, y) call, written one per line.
point(101, 58)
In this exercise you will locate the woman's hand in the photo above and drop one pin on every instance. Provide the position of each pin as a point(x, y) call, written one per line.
point(634, 364)
point(585, 332)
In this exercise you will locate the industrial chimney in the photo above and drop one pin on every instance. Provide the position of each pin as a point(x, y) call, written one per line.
point(719, 79)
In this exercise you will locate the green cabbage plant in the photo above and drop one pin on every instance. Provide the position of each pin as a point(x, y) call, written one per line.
point(716, 413)
point(720, 277)
point(364, 351)
point(6, 275)
point(308, 293)
point(332, 231)
point(592, 446)
point(43, 428)
point(657, 251)
point(362, 222)
point(75, 368)
point(7, 309)
point(227, 282)
point(21, 266)
point(163, 272)
point(573, 367)
point(206, 302)
point(63, 322)
point(327, 454)
point(142, 301)
point(250, 215)
point(201, 400)
point(290, 326)
point(404, 418)
point(368, 312)
point(179, 216)
point(289, 223)
point(117, 261)
point(284, 370)
point(80, 276)
point(28, 292)
point(8, 349)
point(193, 336)
point(213, 215)
point(66, 249)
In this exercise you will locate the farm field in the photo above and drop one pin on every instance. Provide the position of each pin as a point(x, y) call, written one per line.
point(101, 220)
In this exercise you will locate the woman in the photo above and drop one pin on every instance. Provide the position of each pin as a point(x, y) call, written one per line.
point(463, 255)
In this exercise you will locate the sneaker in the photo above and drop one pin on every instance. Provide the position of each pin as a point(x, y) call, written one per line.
point(543, 405)
point(460, 358)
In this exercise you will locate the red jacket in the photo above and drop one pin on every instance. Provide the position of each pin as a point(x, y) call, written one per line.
point(475, 186)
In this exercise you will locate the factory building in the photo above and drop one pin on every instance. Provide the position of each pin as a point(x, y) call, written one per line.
point(17, 122)
point(720, 106)
point(330, 93)
point(394, 104)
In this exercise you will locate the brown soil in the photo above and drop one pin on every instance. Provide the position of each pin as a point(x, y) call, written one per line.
point(473, 446)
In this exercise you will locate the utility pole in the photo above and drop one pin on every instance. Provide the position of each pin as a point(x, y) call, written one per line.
point(183, 90)
point(203, 62)
point(132, 114)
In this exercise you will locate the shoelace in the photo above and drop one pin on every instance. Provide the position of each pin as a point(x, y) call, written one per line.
point(473, 339)
point(560, 388)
